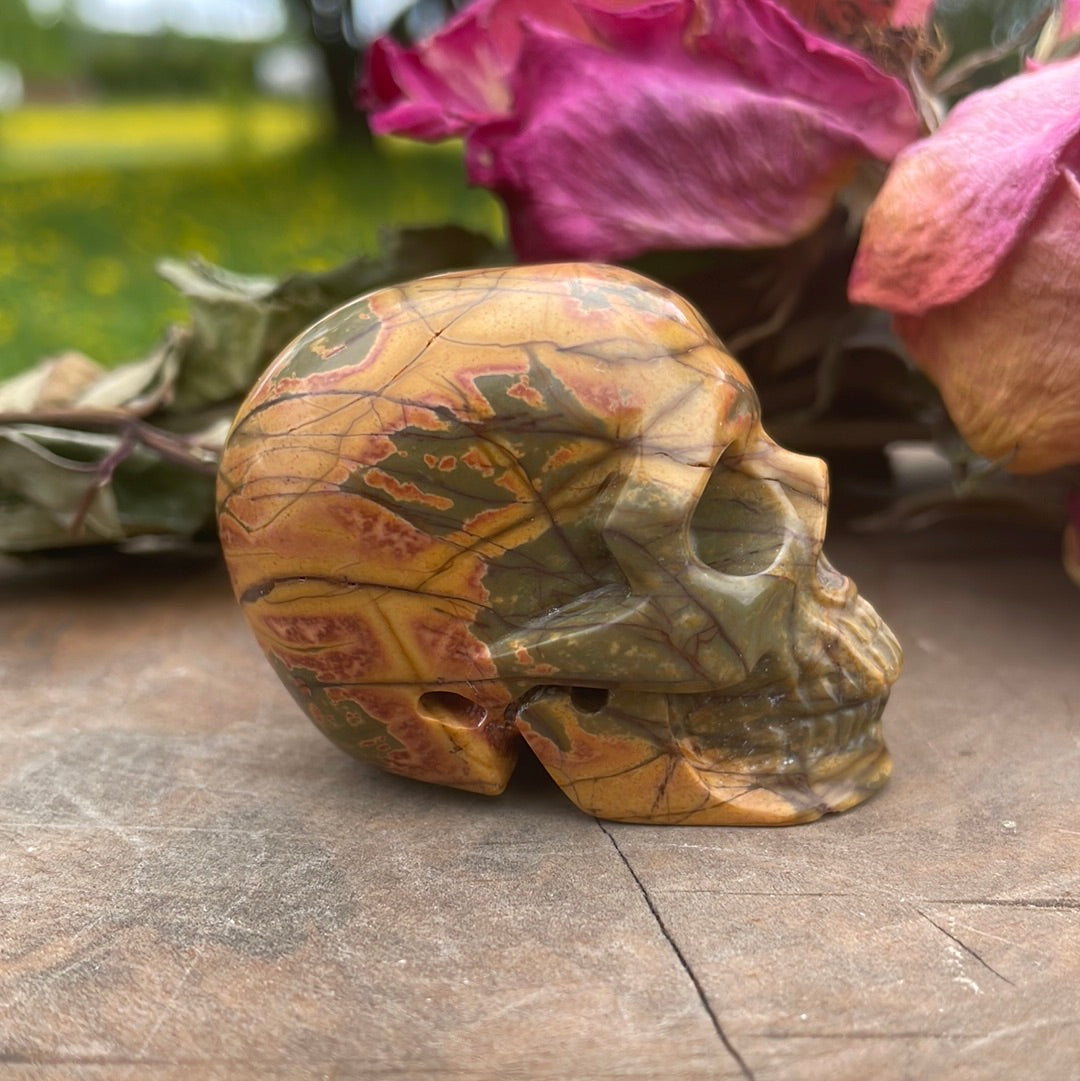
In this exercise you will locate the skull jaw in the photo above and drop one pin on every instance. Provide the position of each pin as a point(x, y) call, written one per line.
point(627, 762)
point(625, 754)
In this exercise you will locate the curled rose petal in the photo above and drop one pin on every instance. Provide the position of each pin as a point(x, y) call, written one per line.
point(974, 242)
point(1007, 357)
point(734, 132)
point(956, 204)
point(610, 127)
point(458, 77)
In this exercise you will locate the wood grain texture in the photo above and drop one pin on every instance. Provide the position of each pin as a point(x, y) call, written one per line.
point(193, 883)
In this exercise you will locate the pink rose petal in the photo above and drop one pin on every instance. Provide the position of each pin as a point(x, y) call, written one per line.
point(1007, 356)
point(728, 125)
point(911, 12)
point(458, 77)
point(956, 204)
point(1070, 19)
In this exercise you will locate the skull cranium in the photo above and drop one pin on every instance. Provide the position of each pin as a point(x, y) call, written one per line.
point(539, 502)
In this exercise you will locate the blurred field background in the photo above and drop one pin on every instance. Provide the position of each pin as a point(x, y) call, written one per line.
point(117, 148)
point(136, 129)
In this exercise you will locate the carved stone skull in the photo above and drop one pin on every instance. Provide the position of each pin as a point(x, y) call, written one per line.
point(538, 502)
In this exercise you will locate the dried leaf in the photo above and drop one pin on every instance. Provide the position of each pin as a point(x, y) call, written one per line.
point(89, 456)
point(60, 488)
point(139, 386)
point(46, 475)
point(240, 323)
point(54, 383)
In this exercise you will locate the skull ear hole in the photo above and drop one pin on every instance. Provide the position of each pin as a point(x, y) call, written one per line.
point(589, 699)
point(452, 709)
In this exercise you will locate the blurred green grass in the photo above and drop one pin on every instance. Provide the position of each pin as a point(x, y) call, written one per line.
point(90, 200)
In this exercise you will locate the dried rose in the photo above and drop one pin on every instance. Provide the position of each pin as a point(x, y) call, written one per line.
point(974, 243)
point(670, 124)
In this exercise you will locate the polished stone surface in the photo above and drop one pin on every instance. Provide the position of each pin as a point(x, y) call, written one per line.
point(536, 504)
point(194, 883)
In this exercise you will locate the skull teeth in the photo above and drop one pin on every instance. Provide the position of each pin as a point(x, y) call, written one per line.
point(797, 744)
point(805, 740)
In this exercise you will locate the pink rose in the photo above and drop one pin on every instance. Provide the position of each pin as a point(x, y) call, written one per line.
point(974, 243)
point(663, 124)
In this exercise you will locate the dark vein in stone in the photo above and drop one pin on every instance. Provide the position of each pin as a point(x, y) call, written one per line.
point(264, 588)
point(717, 1027)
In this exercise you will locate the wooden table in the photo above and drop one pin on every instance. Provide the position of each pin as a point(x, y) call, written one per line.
point(194, 883)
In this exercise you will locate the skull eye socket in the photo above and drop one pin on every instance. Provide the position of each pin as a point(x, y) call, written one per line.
point(452, 709)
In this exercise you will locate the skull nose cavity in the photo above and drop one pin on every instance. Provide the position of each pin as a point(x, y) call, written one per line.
point(449, 708)
point(589, 699)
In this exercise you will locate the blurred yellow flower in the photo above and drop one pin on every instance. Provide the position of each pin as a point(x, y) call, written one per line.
point(9, 260)
point(104, 276)
point(8, 326)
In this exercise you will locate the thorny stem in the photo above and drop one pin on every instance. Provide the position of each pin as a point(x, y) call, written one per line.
point(181, 450)
point(103, 475)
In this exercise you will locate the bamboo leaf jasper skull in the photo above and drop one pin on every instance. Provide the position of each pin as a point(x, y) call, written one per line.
point(538, 503)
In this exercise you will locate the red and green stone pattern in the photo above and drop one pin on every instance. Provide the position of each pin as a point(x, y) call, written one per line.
point(537, 504)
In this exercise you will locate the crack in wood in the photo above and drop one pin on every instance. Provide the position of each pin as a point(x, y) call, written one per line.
point(681, 957)
point(965, 947)
point(854, 1034)
point(1061, 904)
